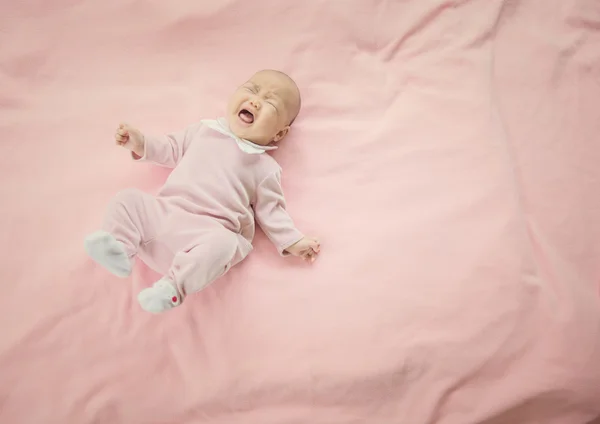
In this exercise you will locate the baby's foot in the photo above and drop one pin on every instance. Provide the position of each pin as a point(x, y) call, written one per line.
point(161, 296)
point(105, 249)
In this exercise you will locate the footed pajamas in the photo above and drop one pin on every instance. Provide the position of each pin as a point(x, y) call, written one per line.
point(201, 222)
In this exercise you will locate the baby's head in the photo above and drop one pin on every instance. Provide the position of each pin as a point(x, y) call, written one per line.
point(263, 108)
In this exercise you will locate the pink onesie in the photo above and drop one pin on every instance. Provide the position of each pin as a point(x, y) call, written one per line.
point(201, 223)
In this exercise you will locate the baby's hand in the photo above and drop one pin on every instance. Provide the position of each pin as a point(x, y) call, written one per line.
point(130, 138)
point(307, 248)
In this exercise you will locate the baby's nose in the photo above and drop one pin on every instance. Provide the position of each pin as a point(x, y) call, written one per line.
point(255, 103)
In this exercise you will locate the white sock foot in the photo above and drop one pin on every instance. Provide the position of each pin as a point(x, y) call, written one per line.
point(105, 249)
point(160, 297)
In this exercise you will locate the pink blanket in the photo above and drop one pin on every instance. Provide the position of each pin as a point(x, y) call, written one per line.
point(447, 155)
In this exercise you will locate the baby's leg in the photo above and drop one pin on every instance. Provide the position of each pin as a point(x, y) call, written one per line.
point(215, 252)
point(131, 219)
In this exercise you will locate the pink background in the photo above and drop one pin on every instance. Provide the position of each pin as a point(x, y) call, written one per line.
point(447, 155)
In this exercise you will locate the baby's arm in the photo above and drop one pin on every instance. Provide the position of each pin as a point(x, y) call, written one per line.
point(271, 215)
point(166, 150)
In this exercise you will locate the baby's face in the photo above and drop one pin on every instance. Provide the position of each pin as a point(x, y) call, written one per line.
point(262, 109)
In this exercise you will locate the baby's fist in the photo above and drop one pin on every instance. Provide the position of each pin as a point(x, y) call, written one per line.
point(308, 249)
point(130, 138)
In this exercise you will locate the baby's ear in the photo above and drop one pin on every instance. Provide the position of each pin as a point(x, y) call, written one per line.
point(281, 134)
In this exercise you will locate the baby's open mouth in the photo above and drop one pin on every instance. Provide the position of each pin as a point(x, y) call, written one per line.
point(246, 116)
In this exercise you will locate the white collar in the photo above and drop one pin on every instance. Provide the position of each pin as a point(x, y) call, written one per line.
point(246, 146)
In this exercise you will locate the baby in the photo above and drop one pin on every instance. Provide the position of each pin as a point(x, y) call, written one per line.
point(201, 223)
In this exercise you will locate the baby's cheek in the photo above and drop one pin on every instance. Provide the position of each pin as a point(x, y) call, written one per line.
point(272, 120)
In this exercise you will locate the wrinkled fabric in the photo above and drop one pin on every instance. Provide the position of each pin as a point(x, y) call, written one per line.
point(446, 155)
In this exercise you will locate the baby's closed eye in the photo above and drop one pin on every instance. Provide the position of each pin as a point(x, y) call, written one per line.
point(272, 101)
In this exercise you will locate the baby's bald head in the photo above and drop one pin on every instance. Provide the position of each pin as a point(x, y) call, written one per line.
point(264, 107)
point(291, 91)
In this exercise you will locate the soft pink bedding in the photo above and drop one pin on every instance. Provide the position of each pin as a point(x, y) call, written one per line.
point(447, 155)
